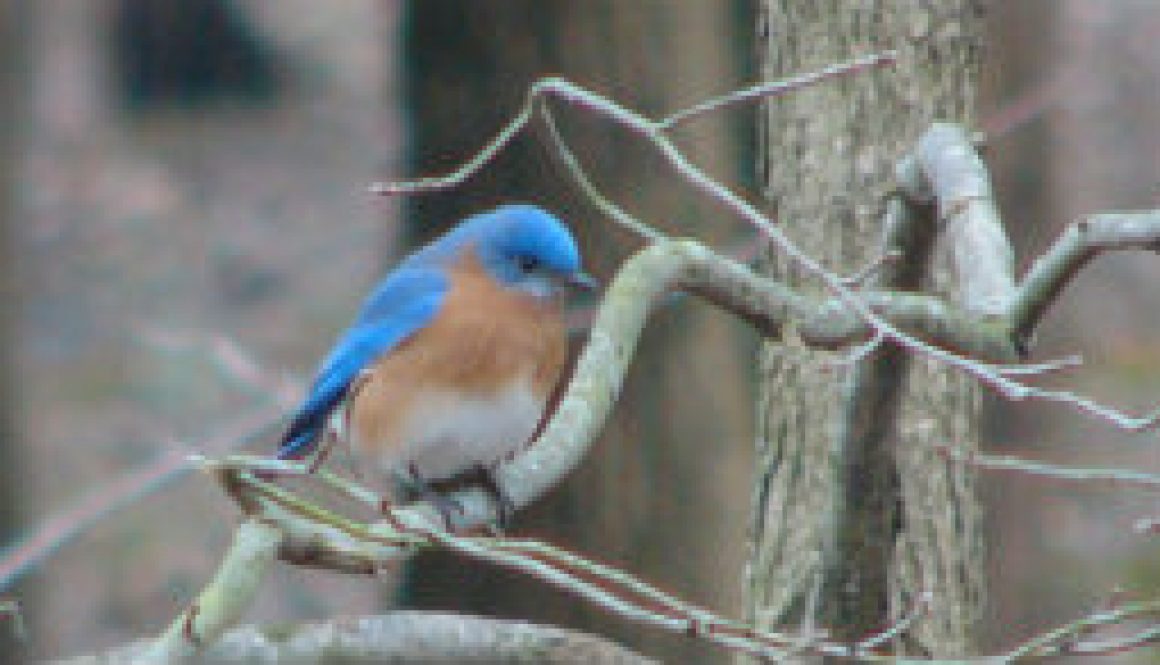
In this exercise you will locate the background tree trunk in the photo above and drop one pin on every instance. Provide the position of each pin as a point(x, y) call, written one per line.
point(11, 478)
point(660, 495)
point(854, 513)
point(189, 52)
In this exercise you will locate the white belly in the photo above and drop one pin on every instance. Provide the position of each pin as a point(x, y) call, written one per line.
point(449, 433)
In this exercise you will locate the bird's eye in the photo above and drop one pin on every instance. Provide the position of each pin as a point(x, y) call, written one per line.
point(528, 263)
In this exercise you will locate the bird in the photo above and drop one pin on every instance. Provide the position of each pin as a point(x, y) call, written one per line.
point(449, 365)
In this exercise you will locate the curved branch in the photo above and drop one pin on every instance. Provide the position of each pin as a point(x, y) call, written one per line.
point(946, 170)
point(222, 602)
point(980, 250)
point(765, 303)
point(1080, 243)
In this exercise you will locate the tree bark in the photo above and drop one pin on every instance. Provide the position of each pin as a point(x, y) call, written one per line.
point(675, 456)
point(854, 513)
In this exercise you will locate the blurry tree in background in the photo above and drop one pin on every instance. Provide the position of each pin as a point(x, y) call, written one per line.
point(189, 52)
point(1073, 115)
point(180, 275)
point(11, 479)
point(856, 514)
point(665, 491)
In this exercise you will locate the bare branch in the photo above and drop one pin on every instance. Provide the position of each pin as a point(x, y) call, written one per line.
point(765, 303)
point(222, 602)
point(1010, 464)
point(872, 269)
point(761, 90)
point(52, 532)
point(958, 180)
point(1113, 645)
point(288, 526)
point(1080, 243)
point(946, 169)
point(602, 202)
point(402, 637)
point(917, 609)
point(1063, 639)
point(1046, 367)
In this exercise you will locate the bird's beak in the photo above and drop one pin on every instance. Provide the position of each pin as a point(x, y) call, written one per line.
point(581, 281)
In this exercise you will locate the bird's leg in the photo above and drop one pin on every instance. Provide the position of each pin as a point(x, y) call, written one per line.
point(415, 484)
point(324, 447)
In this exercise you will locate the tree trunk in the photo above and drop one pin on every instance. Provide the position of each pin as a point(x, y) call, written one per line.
point(854, 514)
point(188, 52)
point(661, 495)
point(12, 24)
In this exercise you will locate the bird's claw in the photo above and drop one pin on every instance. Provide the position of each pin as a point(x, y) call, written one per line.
point(505, 509)
point(416, 485)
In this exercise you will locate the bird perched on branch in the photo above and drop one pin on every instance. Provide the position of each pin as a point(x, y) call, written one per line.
point(450, 363)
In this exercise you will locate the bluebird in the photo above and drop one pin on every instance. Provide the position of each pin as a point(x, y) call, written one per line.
point(451, 361)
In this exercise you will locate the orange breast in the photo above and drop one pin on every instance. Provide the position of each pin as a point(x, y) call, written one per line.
point(483, 338)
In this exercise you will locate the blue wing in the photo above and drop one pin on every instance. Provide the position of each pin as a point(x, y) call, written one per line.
point(406, 301)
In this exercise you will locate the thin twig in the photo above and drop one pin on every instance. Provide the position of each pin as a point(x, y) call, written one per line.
point(1007, 463)
point(1109, 646)
point(917, 609)
point(872, 269)
point(1056, 641)
point(1045, 367)
point(598, 199)
point(29, 550)
point(778, 87)
point(1075, 247)
point(612, 589)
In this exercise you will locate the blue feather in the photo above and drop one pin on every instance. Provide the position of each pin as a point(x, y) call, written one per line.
point(406, 301)
point(521, 246)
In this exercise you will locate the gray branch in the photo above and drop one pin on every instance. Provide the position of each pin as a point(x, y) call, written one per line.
point(1080, 243)
point(766, 304)
point(399, 637)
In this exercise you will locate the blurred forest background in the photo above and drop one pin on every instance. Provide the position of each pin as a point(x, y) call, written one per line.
point(185, 228)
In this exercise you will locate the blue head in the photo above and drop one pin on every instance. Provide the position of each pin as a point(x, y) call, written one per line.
point(524, 247)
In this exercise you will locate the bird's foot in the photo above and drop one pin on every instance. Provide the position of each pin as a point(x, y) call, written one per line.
point(505, 509)
point(414, 484)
